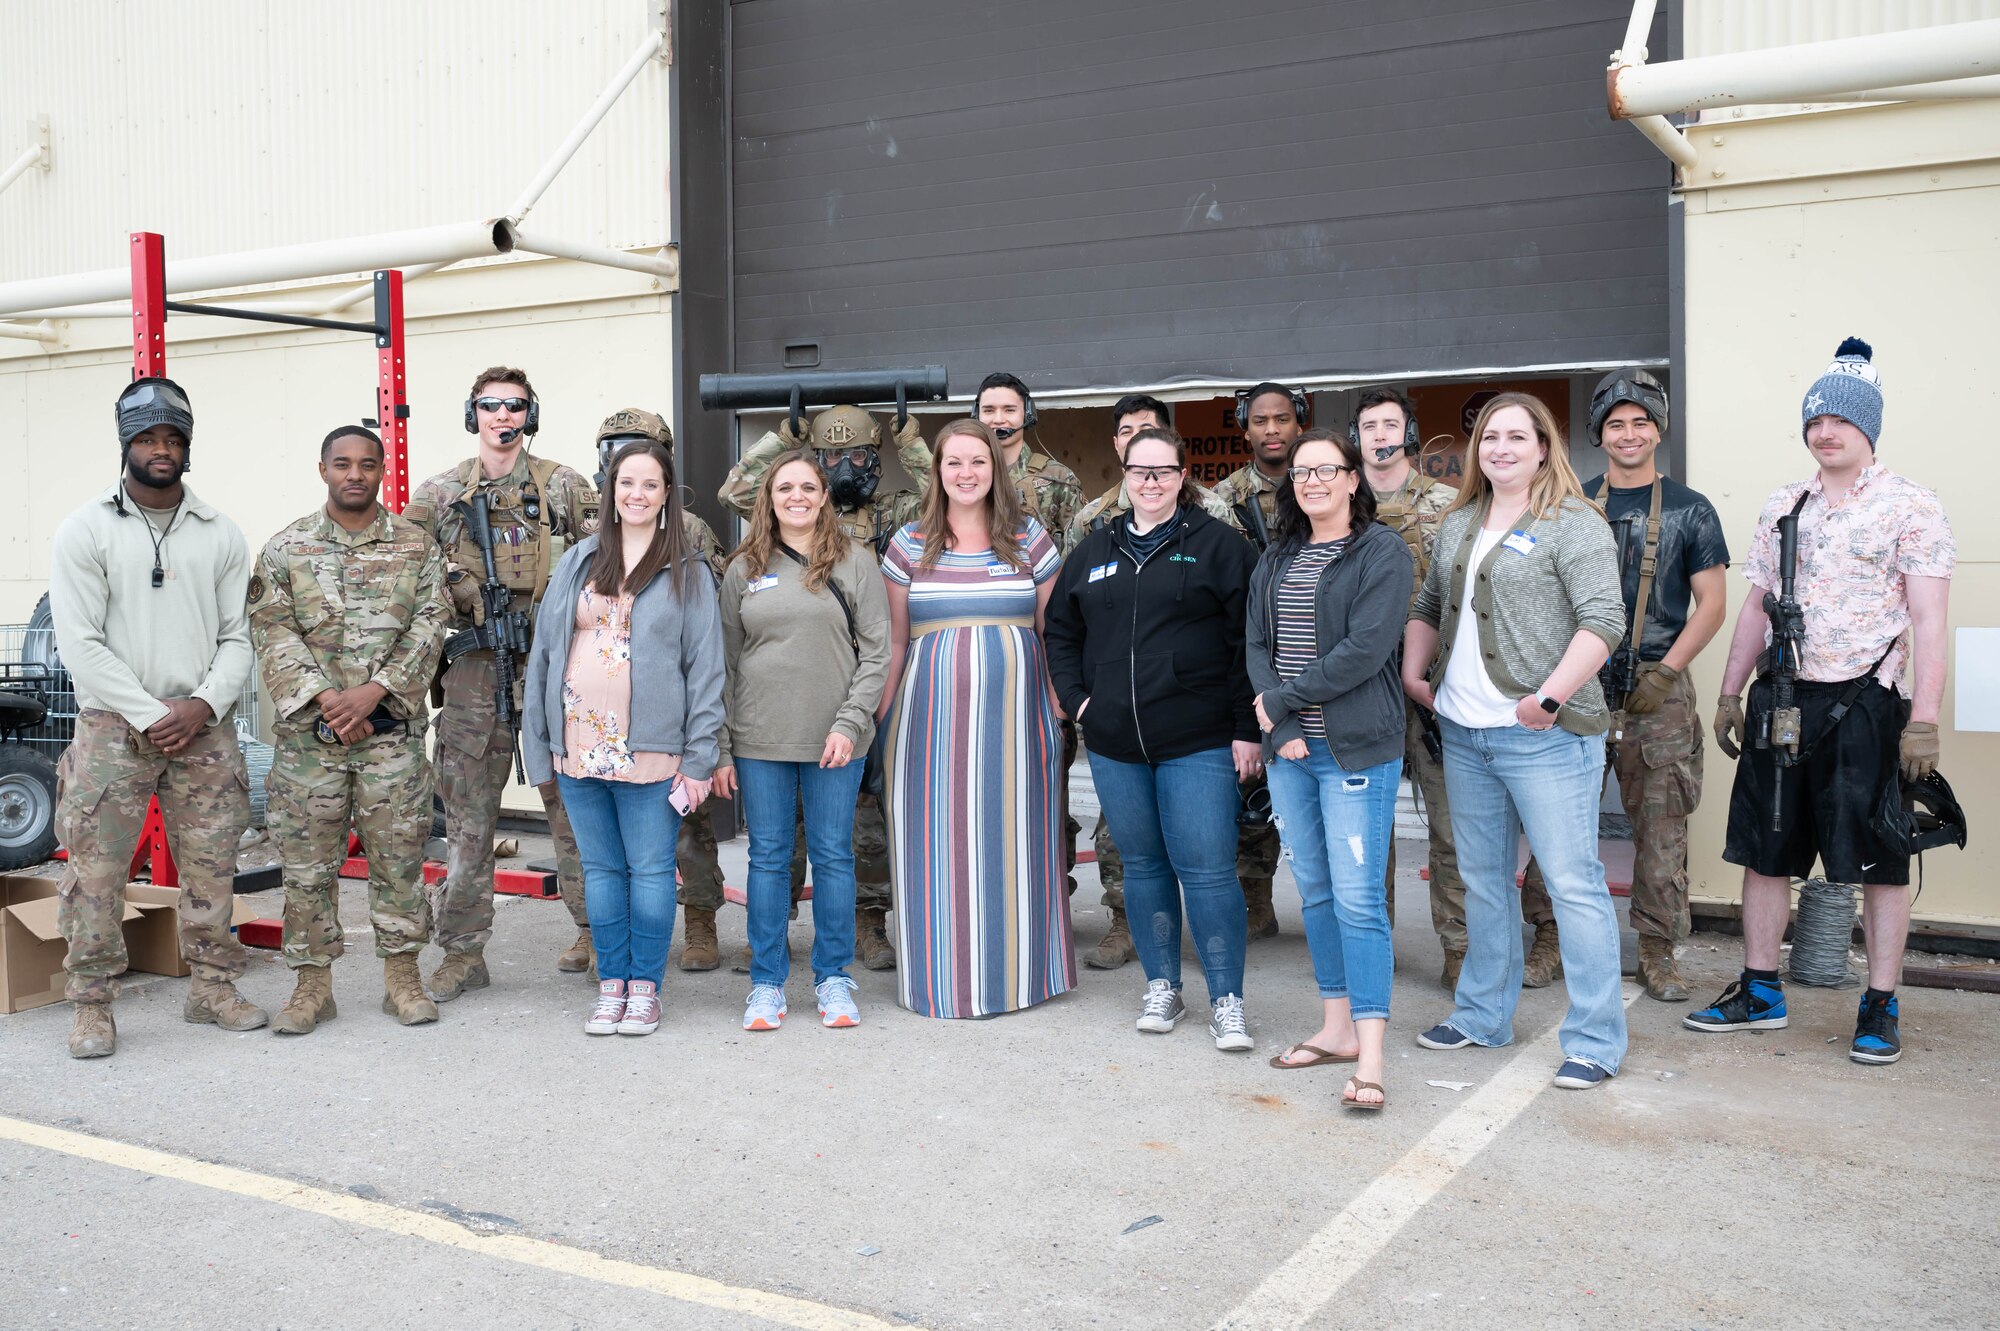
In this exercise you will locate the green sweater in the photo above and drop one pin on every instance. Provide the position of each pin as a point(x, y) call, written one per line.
point(793, 677)
point(1531, 605)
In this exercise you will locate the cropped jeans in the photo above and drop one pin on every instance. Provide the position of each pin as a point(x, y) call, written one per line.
point(625, 834)
point(1337, 826)
point(1500, 781)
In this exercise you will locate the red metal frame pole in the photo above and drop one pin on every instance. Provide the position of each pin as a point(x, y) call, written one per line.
point(149, 360)
point(391, 398)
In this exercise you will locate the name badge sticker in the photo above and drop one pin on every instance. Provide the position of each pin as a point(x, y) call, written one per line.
point(997, 570)
point(765, 583)
point(1519, 542)
point(1102, 571)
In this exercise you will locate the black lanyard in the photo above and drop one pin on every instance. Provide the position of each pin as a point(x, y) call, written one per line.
point(158, 537)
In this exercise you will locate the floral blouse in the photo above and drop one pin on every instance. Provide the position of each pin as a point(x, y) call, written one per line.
point(597, 696)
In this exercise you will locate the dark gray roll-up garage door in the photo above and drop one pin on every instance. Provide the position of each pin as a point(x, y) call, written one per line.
point(1120, 192)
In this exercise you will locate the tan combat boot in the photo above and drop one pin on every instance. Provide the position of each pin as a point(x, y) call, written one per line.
point(1659, 972)
point(1544, 965)
point(403, 995)
point(1454, 962)
point(1263, 916)
point(871, 940)
point(310, 1004)
point(699, 949)
point(217, 1001)
point(94, 1035)
point(459, 972)
point(580, 957)
point(1116, 949)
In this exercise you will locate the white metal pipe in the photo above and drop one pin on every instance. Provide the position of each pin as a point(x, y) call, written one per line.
point(532, 195)
point(1950, 90)
point(292, 263)
point(41, 332)
point(664, 263)
point(20, 165)
point(1667, 139)
point(1808, 72)
point(1633, 52)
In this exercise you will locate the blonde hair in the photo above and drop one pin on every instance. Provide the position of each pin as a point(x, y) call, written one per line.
point(1555, 481)
point(1003, 502)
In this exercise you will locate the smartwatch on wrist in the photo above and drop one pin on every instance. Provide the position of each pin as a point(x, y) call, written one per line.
point(1549, 705)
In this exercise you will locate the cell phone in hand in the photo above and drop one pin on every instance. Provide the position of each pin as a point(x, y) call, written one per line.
point(678, 797)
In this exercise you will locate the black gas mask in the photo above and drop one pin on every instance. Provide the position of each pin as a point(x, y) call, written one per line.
point(851, 475)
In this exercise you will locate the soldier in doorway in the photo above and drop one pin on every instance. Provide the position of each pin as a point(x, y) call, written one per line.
point(347, 613)
point(538, 508)
point(848, 444)
point(1674, 564)
point(1271, 417)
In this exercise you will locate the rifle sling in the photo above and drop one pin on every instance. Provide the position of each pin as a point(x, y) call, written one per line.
point(1649, 562)
point(1852, 693)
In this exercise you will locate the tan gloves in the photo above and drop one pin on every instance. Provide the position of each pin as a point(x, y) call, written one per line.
point(1919, 749)
point(1656, 682)
point(1730, 730)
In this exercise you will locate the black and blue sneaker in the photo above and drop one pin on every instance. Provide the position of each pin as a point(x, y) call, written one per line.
point(1746, 1005)
point(1875, 1037)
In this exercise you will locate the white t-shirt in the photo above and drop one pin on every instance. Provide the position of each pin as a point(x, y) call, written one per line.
point(1467, 694)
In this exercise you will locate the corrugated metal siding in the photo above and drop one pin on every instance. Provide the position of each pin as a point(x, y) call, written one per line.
point(231, 125)
point(1120, 193)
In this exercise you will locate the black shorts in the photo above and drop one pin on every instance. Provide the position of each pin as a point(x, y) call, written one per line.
point(1830, 797)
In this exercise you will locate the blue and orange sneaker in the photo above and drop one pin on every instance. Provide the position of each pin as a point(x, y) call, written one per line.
point(1875, 1036)
point(1746, 1005)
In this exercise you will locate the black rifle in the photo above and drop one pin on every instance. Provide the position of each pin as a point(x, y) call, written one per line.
point(1780, 730)
point(1427, 723)
point(501, 630)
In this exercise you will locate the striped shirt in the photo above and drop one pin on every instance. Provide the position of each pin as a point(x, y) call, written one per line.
point(1298, 621)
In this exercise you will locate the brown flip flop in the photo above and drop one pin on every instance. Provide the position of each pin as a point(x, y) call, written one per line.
point(1360, 1085)
point(1319, 1056)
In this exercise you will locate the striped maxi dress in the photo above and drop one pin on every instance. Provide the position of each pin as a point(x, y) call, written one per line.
point(971, 765)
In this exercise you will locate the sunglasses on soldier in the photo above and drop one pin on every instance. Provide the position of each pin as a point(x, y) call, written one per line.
point(513, 404)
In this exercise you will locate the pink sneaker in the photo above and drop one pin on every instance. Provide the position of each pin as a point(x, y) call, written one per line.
point(642, 1009)
point(610, 1009)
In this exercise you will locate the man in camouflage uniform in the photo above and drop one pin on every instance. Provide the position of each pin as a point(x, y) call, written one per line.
point(1674, 564)
point(848, 443)
point(1128, 415)
point(538, 508)
point(1271, 417)
point(1384, 428)
point(347, 613)
point(146, 583)
point(696, 857)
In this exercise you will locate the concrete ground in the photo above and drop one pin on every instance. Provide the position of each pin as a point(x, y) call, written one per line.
point(1051, 1169)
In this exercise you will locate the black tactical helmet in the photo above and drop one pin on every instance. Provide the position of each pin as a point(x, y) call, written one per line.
point(1635, 386)
point(149, 402)
point(1920, 815)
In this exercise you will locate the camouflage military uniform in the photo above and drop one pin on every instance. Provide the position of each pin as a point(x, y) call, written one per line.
point(1257, 845)
point(1050, 491)
point(1111, 506)
point(334, 609)
point(474, 750)
point(872, 524)
point(104, 781)
point(1411, 511)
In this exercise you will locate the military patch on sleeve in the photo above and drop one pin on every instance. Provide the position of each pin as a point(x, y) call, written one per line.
point(256, 592)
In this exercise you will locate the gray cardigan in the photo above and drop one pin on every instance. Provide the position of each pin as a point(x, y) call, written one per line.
point(677, 668)
point(1530, 606)
point(1362, 603)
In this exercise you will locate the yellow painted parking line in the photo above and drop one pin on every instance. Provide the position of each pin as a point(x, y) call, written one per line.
point(548, 1256)
point(1310, 1278)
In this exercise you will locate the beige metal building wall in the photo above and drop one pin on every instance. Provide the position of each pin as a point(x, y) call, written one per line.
point(1882, 222)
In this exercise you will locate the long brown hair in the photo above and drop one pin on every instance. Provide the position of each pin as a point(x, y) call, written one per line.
point(1554, 483)
point(1291, 527)
point(1003, 502)
point(669, 547)
point(830, 544)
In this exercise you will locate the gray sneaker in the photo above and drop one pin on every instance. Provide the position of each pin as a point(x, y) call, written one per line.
point(764, 1010)
point(837, 1007)
point(1162, 1009)
point(1227, 1025)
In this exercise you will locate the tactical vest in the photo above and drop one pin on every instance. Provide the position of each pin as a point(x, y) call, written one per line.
point(523, 559)
point(1399, 513)
point(1031, 494)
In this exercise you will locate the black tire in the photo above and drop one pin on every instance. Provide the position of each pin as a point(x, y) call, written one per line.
point(27, 807)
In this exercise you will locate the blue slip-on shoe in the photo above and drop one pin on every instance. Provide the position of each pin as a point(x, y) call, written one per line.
point(1746, 1005)
point(1444, 1035)
point(1875, 1036)
point(1580, 1074)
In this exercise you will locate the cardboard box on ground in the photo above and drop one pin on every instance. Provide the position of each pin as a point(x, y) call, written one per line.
point(32, 947)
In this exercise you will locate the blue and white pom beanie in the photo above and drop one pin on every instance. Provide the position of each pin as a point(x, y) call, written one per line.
point(1850, 389)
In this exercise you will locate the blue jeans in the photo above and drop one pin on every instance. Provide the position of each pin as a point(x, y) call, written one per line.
point(1500, 781)
point(1176, 820)
point(771, 793)
point(625, 832)
point(1337, 827)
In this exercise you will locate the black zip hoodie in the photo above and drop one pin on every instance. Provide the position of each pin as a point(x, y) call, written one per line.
point(1155, 646)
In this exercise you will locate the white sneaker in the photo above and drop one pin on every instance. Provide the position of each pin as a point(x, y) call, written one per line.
point(610, 1009)
point(765, 1009)
point(1162, 1009)
point(1226, 1024)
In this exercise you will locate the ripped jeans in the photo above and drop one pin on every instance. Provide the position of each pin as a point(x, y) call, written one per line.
point(1175, 825)
point(1337, 826)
